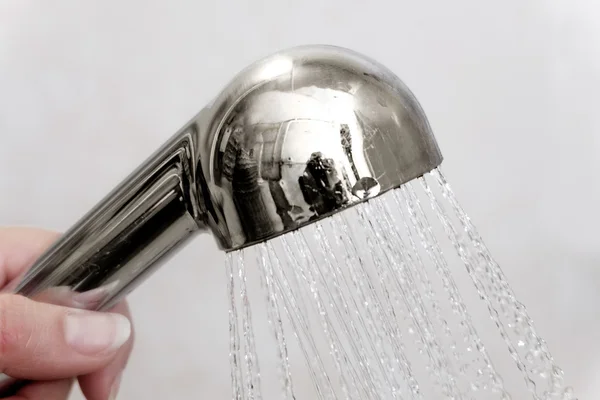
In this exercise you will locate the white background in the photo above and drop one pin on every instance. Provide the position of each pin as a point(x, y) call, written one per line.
point(89, 89)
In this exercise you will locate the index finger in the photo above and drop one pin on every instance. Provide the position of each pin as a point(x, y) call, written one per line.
point(19, 248)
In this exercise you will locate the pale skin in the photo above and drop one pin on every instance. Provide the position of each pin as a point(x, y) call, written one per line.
point(54, 345)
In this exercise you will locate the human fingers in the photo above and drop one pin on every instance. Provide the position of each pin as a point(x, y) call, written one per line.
point(19, 248)
point(50, 390)
point(101, 384)
point(40, 341)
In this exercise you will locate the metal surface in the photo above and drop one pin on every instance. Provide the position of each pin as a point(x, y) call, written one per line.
point(292, 139)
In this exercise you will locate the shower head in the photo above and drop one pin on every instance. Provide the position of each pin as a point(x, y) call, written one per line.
point(301, 135)
point(293, 138)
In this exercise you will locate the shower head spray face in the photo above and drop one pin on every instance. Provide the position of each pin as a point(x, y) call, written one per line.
point(294, 138)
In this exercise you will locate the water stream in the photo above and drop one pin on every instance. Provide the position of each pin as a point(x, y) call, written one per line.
point(396, 298)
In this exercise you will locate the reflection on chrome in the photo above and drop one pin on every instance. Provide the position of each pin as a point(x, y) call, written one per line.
point(289, 157)
point(283, 171)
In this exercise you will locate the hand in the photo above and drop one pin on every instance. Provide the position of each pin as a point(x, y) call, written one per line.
point(51, 344)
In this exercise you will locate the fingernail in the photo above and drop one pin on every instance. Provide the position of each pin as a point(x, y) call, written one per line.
point(115, 388)
point(88, 300)
point(91, 333)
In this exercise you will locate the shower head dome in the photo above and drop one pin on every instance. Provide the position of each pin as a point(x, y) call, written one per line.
point(305, 133)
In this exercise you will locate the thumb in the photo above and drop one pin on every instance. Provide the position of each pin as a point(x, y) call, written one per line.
point(40, 341)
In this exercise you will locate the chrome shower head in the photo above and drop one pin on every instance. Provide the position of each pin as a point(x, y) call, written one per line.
point(294, 138)
point(301, 135)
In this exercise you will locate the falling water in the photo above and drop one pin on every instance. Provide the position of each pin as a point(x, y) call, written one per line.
point(296, 311)
point(386, 301)
point(251, 371)
point(234, 341)
point(275, 322)
point(472, 342)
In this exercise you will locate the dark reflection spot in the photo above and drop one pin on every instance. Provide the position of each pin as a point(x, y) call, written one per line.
point(321, 186)
point(282, 204)
point(241, 168)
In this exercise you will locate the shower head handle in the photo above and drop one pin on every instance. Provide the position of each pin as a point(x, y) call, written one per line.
point(296, 137)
